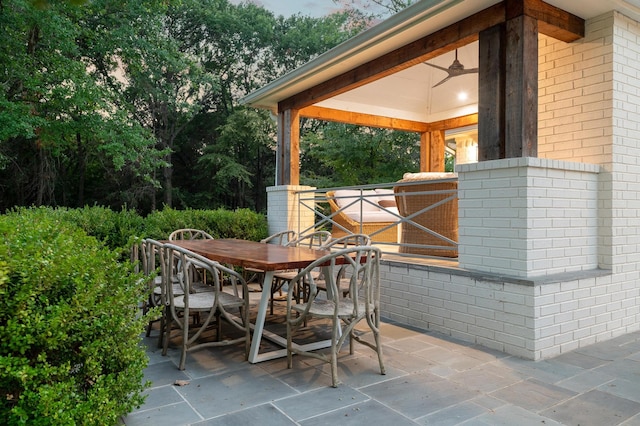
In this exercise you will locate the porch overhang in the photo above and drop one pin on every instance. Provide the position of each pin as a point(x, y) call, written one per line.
point(351, 82)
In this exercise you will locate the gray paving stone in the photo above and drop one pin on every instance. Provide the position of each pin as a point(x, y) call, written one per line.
point(533, 395)
point(169, 415)
point(510, 415)
point(366, 413)
point(580, 360)
point(164, 373)
point(420, 394)
point(453, 415)
point(317, 402)
point(628, 389)
point(549, 371)
point(585, 381)
point(263, 415)
point(594, 408)
point(486, 378)
point(216, 395)
point(363, 371)
point(627, 369)
point(158, 397)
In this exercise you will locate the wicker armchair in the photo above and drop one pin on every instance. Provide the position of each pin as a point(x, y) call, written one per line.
point(342, 220)
point(441, 220)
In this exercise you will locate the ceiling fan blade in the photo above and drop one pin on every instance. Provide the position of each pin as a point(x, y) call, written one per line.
point(470, 71)
point(437, 66)
point(442, 81)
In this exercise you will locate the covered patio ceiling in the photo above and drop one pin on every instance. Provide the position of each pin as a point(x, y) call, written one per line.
point(407, 93)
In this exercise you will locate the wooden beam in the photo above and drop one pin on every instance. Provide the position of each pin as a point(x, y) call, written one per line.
point(288, 149)
point(491, 115)
point(436, 148)
point(425, 152)
point(552, 21)
point(329, 114)
point(454, 123)
point(521, 88)
point(423, 49)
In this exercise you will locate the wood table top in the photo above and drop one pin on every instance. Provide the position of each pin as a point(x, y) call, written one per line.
point(252, 254)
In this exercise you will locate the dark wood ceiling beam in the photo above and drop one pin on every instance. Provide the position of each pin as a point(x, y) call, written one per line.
point(552, 21)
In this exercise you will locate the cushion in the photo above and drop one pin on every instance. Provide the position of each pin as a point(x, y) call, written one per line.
point(350, 199)
point(428, 176)
point(377, 216)
point(387, 203)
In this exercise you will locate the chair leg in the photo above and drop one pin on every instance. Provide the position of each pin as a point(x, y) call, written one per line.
point(334, 367)
point(185, 343)
point(376, 337)
point(218, 326)
point(165, 335)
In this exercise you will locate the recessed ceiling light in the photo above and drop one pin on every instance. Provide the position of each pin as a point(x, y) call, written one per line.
point(462, 96)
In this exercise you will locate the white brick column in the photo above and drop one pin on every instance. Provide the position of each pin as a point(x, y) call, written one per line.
point(528, 217)
point(284, 211)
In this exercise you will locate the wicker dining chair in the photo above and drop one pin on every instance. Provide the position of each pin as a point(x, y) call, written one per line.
point(193, 234)
point(362, 303)
point(315, 239)
point(212, 306)
point(351, 240)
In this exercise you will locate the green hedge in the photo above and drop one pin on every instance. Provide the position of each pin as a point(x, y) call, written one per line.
point(242, 223)
point(69, 325)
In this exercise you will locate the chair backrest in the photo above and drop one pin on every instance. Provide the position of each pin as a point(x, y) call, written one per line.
point(361, 263)
point(314, 239)
point(347, 241)
point(186, 260)
point(189, 234)
point(281, 238)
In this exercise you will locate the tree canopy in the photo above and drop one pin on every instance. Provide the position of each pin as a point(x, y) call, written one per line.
point(136, 104)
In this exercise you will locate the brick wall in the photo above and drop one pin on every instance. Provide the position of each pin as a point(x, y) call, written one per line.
point(575, 95)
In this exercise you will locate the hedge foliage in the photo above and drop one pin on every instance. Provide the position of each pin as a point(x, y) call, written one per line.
point(70, 325)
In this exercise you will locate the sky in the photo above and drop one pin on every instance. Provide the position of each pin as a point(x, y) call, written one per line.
point(313, 8)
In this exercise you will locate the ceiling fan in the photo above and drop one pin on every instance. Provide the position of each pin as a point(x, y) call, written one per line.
point(455, 69)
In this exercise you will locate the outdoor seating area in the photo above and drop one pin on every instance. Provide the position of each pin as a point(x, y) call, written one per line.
point(204, 299)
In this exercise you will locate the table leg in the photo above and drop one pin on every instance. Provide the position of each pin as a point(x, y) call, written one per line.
point(259, 331)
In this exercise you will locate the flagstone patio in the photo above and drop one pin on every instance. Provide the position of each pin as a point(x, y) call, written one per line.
point(431, 380)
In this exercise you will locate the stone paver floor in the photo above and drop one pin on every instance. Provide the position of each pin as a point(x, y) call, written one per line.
point(431, 380)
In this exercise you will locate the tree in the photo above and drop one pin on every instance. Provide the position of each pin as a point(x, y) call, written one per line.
point(345, 155)
point(57, 118)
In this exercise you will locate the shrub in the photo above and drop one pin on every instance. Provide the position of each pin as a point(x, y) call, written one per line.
point(114, 229)
point(242, 223)
point(69, 324)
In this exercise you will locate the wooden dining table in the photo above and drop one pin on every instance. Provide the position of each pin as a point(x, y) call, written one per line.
point(269, 258)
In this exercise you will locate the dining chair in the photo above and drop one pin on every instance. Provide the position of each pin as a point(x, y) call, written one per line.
point(362, 303)
point(315, 239)
point(280, 238)
point(193, 234)
point(189, 234)
point(212, 306)
point(351, 240)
